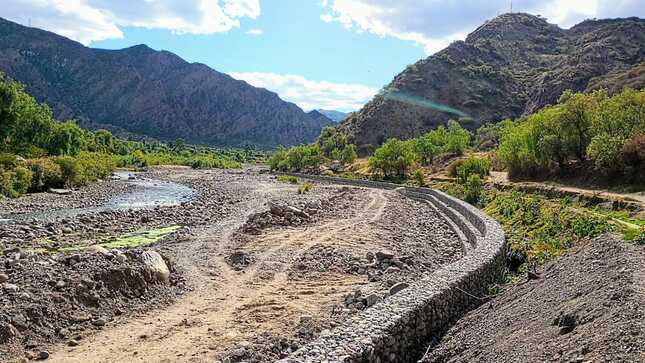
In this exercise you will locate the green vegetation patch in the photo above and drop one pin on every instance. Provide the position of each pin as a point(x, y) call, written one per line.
point(128, 240)
point(306, 187)
point(140, 238)
point(288, 179)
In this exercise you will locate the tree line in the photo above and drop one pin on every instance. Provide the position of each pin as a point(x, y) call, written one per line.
point(38, 152)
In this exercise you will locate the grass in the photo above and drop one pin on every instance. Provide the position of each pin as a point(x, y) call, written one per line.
point(306, 187)
point(288, 179)
point(535, 226)
point(128, 240)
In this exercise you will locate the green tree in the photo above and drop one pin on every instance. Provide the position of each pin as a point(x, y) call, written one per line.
point(393, 159)
point(67, 139)
point(104, 140)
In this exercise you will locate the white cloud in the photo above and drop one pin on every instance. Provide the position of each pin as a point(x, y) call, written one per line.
point(434, 24)
point(94, 20)
point(309, 94)
point(255, 31)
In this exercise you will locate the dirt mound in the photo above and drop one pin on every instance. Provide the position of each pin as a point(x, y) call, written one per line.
point(588, 306)
point(50, 298)
point(299, 213)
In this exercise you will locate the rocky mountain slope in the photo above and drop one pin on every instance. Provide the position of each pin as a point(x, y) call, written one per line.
point(148, 92)
point(512, 65)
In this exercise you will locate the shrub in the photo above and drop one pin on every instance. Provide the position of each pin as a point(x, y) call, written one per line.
point(22, 180)
point(472, 166)
point(474, 186)
point(330, 141)
point(348, 155)
point(393, 159)
point(72, 172)
point(8, 161)
point(46, 174)
point(288, 179)
point(419, 178)
point(305, 187)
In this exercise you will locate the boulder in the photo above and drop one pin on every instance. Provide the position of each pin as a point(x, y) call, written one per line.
point(384, 255)
point(60, 191)
point(155, 265)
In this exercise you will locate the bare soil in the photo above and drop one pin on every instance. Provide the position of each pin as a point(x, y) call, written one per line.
point(235, 294)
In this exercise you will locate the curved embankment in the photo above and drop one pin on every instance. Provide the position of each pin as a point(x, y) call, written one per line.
point(401, 328)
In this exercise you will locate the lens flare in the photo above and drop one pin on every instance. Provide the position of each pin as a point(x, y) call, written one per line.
point(420, 101)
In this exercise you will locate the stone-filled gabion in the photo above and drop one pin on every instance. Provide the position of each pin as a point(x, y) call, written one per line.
point(401, 328)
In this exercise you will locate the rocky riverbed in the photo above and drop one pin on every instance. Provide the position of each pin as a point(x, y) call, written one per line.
point(247, 269)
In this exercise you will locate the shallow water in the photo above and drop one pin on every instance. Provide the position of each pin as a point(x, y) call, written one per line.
point(150, 193)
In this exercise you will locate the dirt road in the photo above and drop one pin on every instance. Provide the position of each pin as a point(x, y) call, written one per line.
point(300, 278)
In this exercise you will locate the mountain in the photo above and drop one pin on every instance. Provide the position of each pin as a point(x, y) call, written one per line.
point(510, 66)
point(316, 115)
point(147, 92)
point(333, 115)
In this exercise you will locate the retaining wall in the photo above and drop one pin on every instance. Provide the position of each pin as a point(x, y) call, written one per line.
point(400, 328)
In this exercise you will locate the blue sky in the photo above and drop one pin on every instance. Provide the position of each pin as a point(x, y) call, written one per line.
point(332, 54)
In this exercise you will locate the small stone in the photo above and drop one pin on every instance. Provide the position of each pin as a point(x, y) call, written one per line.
point(372, 299)
point(121, 258)
point(60, 284)
point(11, 288)
point(398, 287)
point(98, 249)
point(43, 355)
point(384, 255)
point(99, 322)
point(306, 319)
point(4, 278)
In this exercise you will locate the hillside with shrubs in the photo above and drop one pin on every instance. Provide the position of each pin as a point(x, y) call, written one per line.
point(586, 138)
point(38, 152)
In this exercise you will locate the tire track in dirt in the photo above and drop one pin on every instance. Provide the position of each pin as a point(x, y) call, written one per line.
point(213, 316)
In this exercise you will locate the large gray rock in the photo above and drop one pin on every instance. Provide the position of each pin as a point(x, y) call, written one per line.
point(155, 265)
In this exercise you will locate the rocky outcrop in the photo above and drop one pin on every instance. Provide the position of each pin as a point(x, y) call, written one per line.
point(512, 65)
point(147, 92)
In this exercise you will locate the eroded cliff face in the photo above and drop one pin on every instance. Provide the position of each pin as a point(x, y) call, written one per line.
point(512, 65)
point(148, 92)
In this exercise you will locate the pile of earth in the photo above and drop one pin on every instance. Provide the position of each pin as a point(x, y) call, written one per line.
point(299, 212)
point(56, 298)
point(587, 306)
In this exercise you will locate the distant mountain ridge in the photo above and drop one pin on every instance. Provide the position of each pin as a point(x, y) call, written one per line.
point(334, 115)
point(152, 93)
point(512, 65)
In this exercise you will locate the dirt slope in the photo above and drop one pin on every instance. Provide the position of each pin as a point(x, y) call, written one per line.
point(588, 306)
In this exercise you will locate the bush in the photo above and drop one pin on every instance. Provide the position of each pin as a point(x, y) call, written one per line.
point(348, 155)
point(297, 158)
point(22, 180)
point(474, 186)
point(14, 183)
point(419, 178)
point(472, 166)
point(393, 159)
point(46, 174)
point(72, 172)
point(306, 187)
point(8, 161)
